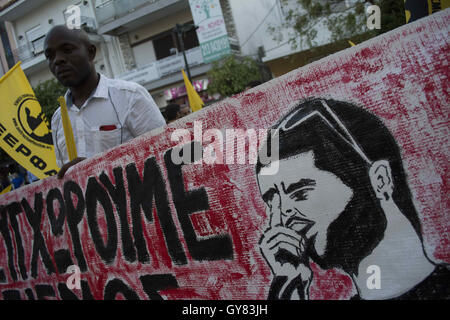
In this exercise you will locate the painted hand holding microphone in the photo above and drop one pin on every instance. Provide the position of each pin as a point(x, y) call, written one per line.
point(283, 245)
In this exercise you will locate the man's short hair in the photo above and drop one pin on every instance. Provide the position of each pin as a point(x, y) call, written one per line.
point(81, 34)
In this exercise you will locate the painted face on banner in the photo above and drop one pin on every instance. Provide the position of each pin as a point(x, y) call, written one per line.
point(304, 198)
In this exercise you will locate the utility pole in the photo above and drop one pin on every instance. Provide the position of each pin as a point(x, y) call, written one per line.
point(180, 29)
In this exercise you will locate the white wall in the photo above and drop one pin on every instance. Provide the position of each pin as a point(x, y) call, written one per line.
point(39, 76)
point(116, 60)
point(51, 10)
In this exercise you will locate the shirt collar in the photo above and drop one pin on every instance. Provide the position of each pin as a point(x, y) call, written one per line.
point(102, 88)
point(100, 92)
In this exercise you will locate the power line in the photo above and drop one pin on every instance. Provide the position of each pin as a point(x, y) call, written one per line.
point(259, 25)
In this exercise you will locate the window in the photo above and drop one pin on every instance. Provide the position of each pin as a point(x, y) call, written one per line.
point(35, 37)
point(190, 40)
point(168, 40)
point(38, 45)
point(162, 44)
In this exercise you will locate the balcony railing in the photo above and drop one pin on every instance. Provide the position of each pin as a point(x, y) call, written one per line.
point(24, 53)
point(15, 9)
point(88, 24)
point(164, 67)
point(29, 50)
point(115, 9)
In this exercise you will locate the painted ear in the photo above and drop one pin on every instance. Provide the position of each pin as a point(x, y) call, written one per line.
point(381, 179)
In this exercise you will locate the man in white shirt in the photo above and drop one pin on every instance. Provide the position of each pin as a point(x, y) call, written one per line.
point(103, 112)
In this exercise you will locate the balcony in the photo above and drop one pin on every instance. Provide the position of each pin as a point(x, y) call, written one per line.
point(116, 17)
point(17, 9)
point(88, 24)
point(31, 56)
point(166, 71)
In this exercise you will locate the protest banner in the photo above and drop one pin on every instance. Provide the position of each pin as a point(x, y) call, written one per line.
point(352, 203)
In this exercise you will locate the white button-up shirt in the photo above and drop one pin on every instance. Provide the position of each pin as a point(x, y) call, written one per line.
point(116, 112)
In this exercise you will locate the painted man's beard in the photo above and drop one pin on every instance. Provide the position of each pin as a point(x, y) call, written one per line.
point(352, 235)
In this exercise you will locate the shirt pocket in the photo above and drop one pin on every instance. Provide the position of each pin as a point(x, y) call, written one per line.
point(103, 140)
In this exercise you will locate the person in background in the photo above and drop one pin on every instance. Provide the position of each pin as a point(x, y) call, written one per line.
point(23, 173)
point(31, 177)
point(184, 110)
point(4, 181)
point(16, 178)
point(173, 112)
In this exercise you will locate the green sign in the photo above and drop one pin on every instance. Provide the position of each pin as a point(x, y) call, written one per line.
point(215, 49)
point(211, 31)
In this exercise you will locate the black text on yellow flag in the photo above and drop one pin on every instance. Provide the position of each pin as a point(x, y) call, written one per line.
point(24, 130)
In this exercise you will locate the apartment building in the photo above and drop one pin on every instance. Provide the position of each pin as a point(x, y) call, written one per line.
point(152, 51)
point(135, 40)
point(6, 57)
point(30, 20)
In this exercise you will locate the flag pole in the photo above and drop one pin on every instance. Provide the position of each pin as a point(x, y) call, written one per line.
point(68, 133)
point(195, 102)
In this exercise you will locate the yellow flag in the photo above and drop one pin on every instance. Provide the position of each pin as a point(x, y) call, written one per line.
point(416, 9)
point(68, 133)
point(195, 102)
point(351, 43)
point(7, 189)
point(24, 128)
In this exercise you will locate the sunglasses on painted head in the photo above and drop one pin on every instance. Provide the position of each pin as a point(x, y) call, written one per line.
point(323, 111)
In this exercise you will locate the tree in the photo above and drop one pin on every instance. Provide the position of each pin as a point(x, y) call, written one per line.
point(47, 93)
point(343, 18)
point(231, 75)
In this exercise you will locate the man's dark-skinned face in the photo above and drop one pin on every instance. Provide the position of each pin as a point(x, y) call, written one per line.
point(68, 57)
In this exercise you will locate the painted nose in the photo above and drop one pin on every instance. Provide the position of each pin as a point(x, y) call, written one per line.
point(286, 206)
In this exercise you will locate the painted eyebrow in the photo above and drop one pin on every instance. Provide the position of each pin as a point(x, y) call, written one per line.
point(269, 194)
point(300, 184)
